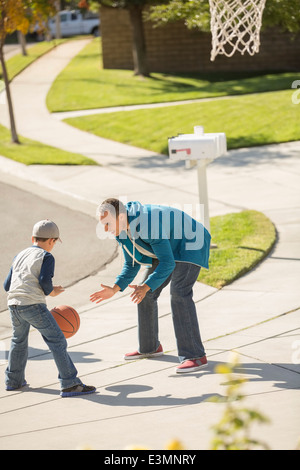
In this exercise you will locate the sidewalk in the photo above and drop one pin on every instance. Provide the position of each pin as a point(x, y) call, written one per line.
point(145, 402)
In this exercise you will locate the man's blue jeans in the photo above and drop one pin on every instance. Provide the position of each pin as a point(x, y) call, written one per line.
point(40, 318)
point(183, 309)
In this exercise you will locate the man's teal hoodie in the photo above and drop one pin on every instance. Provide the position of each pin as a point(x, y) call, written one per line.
point(163, 233)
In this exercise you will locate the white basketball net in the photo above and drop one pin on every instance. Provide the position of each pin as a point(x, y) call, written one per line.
point(235, 26)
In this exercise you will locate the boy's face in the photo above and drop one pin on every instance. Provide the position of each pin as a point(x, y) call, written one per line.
point(51, 244)
point(112, 224)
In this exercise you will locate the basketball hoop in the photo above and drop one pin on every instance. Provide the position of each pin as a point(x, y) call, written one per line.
point(235, 26)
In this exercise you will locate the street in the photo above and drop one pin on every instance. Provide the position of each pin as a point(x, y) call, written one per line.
point(80, 253)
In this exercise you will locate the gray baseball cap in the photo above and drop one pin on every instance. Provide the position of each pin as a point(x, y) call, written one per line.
point(45, 229)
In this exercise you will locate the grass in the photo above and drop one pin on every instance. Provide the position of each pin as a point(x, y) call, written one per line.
point(256, 115)
point(247, 120)
point(243, 239)
point(84, 84)
point(31, 152)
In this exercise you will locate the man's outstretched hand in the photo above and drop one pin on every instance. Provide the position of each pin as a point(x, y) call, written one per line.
point(105, 293)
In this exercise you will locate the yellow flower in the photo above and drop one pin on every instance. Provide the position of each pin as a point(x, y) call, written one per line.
point(136, 447)
point(174, 445)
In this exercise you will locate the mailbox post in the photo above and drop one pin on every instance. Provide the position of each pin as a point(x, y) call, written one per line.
point(199, 149)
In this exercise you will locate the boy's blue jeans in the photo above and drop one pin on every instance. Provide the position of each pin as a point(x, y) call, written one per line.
point(40, 318)
point(183, 309)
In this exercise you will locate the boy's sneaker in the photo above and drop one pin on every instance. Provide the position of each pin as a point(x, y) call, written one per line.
point(77, 390)
point(11, 389)
point(191, 365)
point(138, 355)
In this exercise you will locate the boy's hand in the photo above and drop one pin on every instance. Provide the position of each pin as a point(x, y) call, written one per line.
point(105, 293)
point(56, 291)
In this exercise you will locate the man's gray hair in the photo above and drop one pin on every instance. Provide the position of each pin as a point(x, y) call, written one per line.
point(114, 206)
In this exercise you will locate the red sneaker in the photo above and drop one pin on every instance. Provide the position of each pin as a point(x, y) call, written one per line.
point(191, 365)
point(138, 355)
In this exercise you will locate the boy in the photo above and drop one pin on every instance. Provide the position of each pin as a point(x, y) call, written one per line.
point(27, 284)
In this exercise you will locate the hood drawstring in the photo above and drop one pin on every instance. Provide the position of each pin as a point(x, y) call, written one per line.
point(131, 238)
point(133, 252)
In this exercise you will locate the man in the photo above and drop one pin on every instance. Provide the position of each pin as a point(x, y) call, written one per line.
point(174, 247)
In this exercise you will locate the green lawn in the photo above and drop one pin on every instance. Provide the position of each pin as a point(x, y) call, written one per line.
point(31, 152)
point(247, 120)
point(256, 115)
point(243, 239)
point(84, 84)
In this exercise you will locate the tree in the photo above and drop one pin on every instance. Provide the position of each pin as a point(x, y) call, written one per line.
point(135, 9)
point(284, 14)
point(12, 18)
point(57, 20)
point(22, 42)
point(18, 15)
point(194, 13)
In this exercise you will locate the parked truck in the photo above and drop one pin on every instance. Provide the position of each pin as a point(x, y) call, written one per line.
point(72, 23)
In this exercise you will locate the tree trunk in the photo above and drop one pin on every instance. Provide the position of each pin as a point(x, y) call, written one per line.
point(100, 41)
point(13, 130)
point(57, 20)
point(22, 42)
point(139, 45)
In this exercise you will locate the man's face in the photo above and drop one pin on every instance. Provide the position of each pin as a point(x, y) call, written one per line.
point(112, 224)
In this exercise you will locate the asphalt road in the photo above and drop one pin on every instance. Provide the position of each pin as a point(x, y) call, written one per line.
point(80, 254)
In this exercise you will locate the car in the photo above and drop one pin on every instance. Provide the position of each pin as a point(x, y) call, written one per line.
point(73, 23)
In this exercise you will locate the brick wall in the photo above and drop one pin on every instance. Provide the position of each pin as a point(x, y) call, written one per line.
point(173, 48)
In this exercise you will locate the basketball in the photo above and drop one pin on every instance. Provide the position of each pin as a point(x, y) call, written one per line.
point(67, 319)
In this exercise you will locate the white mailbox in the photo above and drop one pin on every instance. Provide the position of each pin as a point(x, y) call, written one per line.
point(197, 146)
point(199, 149)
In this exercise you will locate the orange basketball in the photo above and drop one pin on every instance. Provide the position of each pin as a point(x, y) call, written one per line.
point(67, 319)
